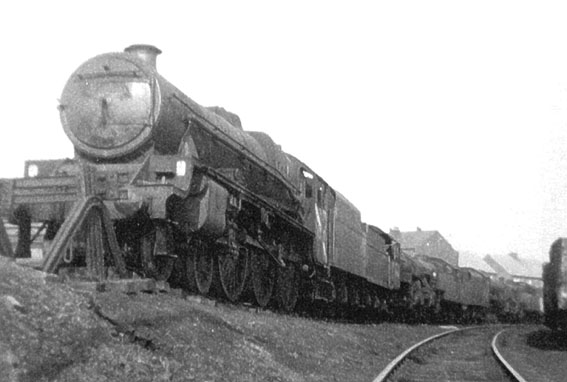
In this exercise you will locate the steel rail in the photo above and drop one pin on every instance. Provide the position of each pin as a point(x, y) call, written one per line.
point(389, 369)
point(392, 366)
point(503, 361)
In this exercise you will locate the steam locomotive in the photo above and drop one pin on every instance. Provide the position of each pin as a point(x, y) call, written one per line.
point(164, 188)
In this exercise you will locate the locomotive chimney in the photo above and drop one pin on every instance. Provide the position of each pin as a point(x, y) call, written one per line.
point(147, 53)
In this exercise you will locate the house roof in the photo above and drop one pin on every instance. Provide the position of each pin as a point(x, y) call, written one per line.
point(516, 266)
point(414, 239)
point(499, 269)
point(472, 260)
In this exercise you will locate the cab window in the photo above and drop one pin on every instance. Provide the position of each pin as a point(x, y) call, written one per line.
point(320, 199)
point(307, 176)
point(308, 190)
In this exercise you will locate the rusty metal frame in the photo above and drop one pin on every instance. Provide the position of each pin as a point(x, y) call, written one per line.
point(80, 217)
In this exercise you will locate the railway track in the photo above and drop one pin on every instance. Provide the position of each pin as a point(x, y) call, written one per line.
point(468, 354)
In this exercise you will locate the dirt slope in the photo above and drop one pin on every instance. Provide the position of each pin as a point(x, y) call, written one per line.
point(52, 332)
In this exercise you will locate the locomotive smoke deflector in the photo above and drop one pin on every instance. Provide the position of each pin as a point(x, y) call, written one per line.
point(147, 53)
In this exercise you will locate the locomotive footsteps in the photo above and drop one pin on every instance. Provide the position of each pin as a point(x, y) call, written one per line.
point(157, 265)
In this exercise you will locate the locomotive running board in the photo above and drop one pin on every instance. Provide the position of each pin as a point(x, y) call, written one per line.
point(90, 214)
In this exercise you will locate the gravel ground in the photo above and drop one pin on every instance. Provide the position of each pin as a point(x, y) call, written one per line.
point(207, 341)
point(51, 332)
point(537, 353)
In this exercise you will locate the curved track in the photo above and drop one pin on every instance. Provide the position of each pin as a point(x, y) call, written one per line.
point(464, 357)
point(514, 374)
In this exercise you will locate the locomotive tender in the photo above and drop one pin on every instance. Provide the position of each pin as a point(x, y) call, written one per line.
point(165, 188)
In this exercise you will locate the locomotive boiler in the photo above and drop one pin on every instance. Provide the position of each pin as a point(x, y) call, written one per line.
point(116, 109)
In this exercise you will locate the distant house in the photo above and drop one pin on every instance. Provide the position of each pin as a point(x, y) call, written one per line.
point(513, 267)
point(472, 260)
point(428, 243)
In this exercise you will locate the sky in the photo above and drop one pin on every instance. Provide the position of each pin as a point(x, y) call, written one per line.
point(443, 115)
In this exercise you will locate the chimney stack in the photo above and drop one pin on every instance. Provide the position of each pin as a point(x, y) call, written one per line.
point(395, 233)
point(514, 255)
point(147, 53)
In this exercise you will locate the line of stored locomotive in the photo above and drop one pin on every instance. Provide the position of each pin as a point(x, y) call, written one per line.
point(165, 188)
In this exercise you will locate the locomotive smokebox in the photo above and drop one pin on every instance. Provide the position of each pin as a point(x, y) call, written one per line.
point(147, 53)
